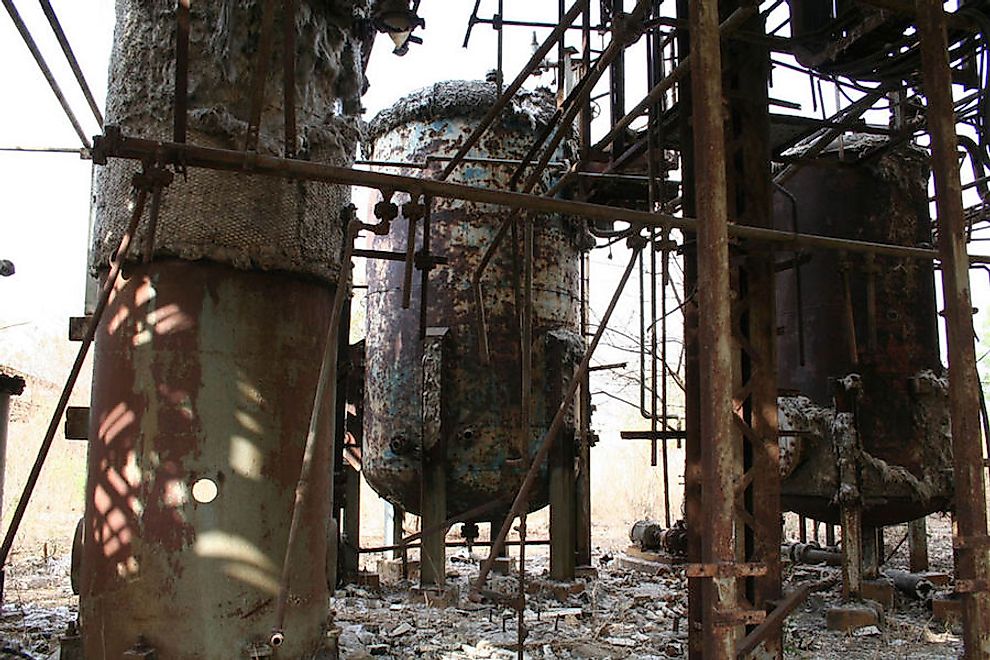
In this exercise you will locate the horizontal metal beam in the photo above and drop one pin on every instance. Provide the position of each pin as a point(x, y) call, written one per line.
point(114, 145)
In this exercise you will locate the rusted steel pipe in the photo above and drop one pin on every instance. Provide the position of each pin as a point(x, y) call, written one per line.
point(181, 107)
point(773, 622)
point(43, 65)
point(522, 497)
point(322, 425)
point(808, 553)
point(513, 87)
point(428, 261)
point(46, 444)
point(720, 461)
point(289, 77)
point(450, 544)
point(574, 102)
point(730, 25)
point(973, 563)
point(521, 631)
point(915, 585)
point(618, 45)
point(407, 273)
point(953, 19)
point(527, 158)
point(260, 75)
point(70, 57)
point(112, 144)
point(479, 307)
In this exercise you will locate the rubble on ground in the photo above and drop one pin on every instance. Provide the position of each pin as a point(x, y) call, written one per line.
point(618, 613)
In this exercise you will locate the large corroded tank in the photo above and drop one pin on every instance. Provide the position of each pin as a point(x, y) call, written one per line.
point(865, 322)
point(482, 407)
point(207, 358)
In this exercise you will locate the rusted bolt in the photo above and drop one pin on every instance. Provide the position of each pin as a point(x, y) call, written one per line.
point(398, 444)
point(386, 210)
point(413, 210)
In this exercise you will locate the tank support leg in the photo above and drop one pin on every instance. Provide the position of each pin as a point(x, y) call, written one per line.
point(395, 522)
point(433, 493)
point(352, 524)
point(563, 496)
point(562, 513)
point(871, 552)
point(582, 489)
point(918, 545)
point(852, 550)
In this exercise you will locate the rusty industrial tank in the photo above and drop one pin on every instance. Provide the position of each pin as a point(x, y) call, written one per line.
point(482, 407)
point(858, 334)
point(207, 359)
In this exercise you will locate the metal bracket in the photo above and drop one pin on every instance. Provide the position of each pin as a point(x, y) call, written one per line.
point(733, 618)
point(725, 569)
point(77, 327)
point(971, 586)
point(970, 542)
point(77, 423)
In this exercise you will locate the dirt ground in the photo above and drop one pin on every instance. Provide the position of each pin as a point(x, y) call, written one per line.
point(619, 613)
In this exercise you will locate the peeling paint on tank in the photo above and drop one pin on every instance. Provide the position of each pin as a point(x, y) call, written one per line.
point(168, 414)
point(906, 459)
point(483, 400)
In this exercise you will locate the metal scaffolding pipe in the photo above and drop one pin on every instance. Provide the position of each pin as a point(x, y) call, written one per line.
point(731, 24)
point(720, 460)
point(43, 65)
point(70, 57)
point(513, 87)
point(113, 144)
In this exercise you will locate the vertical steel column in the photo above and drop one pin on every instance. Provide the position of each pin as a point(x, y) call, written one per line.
point(918, 545)
point(692, 372)
point(973, 566)
point(562, 493)
point(433, 493)
point(586, 109)
point(617, 80)
point(720, 459)
point(755, 398)
point(351, 537)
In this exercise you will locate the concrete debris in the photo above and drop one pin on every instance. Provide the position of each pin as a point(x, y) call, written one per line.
point(622, 614)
